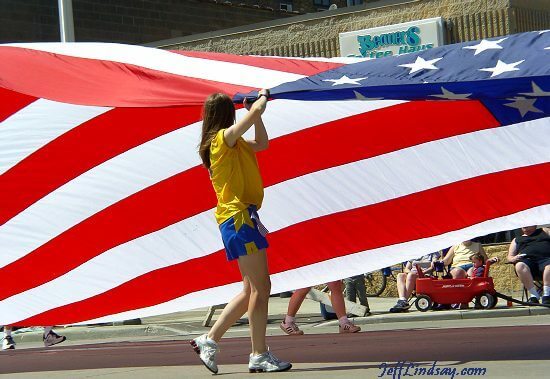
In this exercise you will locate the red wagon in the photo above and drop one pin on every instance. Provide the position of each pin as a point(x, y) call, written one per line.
point(431, 291)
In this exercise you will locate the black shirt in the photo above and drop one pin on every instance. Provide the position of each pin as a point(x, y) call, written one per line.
point(536, 245)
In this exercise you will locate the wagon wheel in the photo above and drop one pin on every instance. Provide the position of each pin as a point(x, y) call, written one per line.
point(423, 303)
point(486, 301)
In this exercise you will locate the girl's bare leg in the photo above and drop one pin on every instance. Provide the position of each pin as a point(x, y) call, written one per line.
point(254, 270)
point(233, 311)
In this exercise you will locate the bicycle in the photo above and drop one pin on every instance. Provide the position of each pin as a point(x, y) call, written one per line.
point(376, 281)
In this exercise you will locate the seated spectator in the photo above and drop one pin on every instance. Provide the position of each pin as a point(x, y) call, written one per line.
point(478, 268)
point(406, 281)
point(355, 288)
point(459, 256)
point(530, 254)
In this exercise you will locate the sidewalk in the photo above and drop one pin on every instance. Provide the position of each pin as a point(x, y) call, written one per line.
point(182, 325)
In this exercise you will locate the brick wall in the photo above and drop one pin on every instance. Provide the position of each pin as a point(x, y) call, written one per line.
point(127, 21)
point(30, 20)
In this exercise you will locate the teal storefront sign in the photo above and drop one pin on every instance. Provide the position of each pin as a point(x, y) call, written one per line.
point(392, 40)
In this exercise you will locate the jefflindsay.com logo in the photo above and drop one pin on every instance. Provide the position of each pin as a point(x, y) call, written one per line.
point(404, 369)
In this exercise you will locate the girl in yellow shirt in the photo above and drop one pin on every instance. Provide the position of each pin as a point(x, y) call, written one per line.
point(236, 179)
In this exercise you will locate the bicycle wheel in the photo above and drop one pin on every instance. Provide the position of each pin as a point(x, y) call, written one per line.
point(375, 283)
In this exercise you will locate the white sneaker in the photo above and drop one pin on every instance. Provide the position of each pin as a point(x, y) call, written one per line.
point(267, 362)
point(8, 343)
point(206, 348)
point(52, 339)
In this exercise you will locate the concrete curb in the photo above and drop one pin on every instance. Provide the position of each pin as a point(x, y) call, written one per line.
point(84, 333)
point(445, 315)
point(110, 333)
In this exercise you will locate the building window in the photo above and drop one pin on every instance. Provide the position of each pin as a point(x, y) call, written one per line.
point(286, 5)
point(323, 3)
point(351, 3)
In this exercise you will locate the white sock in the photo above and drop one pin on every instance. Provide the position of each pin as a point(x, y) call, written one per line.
point(47, 330)
point(403, 298)
point(289, 319)
point(534, 293)
point(343, 320)
point(546, 291)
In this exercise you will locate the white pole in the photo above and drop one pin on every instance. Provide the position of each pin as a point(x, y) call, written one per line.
point(66, 25)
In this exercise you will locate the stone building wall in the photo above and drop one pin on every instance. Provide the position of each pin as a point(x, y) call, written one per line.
point(317, 35)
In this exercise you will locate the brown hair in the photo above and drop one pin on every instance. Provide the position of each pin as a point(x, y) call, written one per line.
point(478, 256)
point(218, 113)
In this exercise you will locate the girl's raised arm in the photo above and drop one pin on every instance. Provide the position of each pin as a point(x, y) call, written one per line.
point(254, 116)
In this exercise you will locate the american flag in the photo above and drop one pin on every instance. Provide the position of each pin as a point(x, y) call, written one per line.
point(106, 213)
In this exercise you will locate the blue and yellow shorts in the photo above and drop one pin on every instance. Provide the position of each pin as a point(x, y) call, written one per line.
point(243, 234)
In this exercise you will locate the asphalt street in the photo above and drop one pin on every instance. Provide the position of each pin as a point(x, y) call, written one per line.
point(353, 354)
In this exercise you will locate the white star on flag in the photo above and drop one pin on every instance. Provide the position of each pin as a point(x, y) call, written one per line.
point(421, 64)
point(537, 91)
point(485, 45)
point(359, 96)
point(523, 105)
point(452, 96)
point(502, 67)
point(344, 80)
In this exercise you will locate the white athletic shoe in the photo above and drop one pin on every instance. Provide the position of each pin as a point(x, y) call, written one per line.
point(206, 348)
point(8, 343)
point(52, 339)
point(267, 362)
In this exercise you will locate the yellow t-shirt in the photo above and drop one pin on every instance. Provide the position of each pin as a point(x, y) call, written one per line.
point(235, 176)
point(463, 253)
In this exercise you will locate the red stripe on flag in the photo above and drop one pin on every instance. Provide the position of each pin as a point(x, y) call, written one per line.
point(294, 66)
point(102, 83)
point(460, 204)
point(83, 148)
point(11, 102)
point(179, 200)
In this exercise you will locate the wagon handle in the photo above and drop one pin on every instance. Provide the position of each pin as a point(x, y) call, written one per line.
point(486, 271)
point(419, 271)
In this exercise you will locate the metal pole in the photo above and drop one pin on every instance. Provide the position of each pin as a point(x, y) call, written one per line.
point(66, 25)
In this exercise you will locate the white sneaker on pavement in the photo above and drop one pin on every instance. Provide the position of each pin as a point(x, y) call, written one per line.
point(8, 343)
point(267, 362)
point(206, 348)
